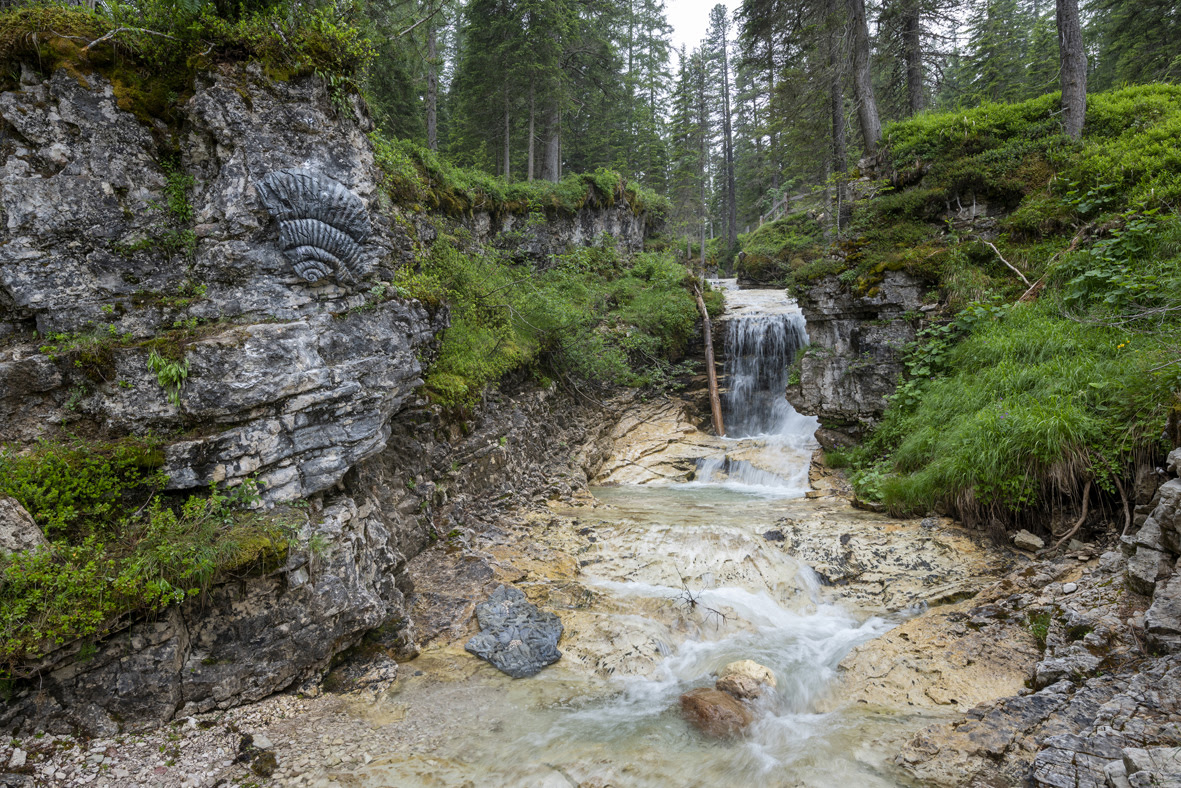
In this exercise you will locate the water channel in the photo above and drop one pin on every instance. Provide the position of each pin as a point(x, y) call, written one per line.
point(676, 581)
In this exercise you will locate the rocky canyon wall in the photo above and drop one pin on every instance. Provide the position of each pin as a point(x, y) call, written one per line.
point(126, 245)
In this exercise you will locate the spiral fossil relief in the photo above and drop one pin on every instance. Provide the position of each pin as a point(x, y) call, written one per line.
point(322, 225)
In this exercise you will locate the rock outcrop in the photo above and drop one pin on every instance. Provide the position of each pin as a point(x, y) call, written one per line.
point(853, 360)
point(1093, 637)
point(301, 363)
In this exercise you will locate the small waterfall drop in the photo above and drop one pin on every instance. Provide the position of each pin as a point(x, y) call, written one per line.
point(764, 331)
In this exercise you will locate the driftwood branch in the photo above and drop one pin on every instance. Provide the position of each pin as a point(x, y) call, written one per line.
point(1011, 267)
point(1082, 518)
point(715, 402)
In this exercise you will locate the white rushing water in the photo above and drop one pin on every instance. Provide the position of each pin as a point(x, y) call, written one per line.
point(681, 580)
point(764, 331)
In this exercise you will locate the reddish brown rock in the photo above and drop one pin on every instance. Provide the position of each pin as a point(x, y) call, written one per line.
point(715, 713)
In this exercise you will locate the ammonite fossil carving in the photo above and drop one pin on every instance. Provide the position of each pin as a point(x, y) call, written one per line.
point(322, 225)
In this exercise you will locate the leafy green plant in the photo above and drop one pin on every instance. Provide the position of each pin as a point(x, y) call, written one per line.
point(170, 374)
point(72, 489)
point(147, 558)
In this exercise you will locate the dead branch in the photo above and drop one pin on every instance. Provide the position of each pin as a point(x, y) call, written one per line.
point(715, 402)
point(1081, 519)
point(693, 601)
point(429, 16)
point(1011, 267)
point(119, 30)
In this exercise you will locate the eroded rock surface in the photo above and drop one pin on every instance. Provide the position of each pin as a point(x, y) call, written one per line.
point(853, 361)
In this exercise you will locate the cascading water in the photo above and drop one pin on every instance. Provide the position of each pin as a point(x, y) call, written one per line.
point(676, 581)
point(763, 331)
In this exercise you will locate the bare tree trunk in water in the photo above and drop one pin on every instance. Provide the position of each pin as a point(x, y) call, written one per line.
point(912, 45)
point(867, 108)
point(1073, 59)
point(840, 153)
point(432, 89)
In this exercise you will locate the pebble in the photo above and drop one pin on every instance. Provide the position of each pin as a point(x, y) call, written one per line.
point(1069, 588)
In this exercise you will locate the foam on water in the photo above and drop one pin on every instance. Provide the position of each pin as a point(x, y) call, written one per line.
point(764, 331)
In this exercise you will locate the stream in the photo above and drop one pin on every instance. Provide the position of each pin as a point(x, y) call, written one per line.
point(676, 580)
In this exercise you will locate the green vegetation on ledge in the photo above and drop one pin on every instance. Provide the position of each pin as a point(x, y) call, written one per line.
point(592, 320)
point(1020, 396)
point(417, 176)
point(156, 48)
point(118, 545)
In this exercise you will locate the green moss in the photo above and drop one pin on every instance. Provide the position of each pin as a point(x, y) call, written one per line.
point(152, 75)
point(593, 320)
point(414, 176)
point(777, 248)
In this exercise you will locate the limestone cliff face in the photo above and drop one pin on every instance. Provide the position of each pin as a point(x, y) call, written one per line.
point(307, 386)
point(853, 362)
point(288, 380)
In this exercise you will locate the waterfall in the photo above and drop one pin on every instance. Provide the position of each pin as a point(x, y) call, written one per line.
point(759, 350)
point(764, 331)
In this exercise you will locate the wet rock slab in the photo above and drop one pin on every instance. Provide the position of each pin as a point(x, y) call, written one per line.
point(516, 637)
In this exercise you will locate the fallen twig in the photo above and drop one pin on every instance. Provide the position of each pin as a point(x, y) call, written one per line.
point(1012, 268)
point(119, 30)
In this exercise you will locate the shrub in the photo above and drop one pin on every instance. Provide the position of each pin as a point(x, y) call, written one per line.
point(134, 553)
point(593, 319)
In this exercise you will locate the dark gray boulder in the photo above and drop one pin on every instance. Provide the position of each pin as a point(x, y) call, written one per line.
point(515, 636)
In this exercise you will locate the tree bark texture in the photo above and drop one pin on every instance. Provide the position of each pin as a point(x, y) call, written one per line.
point(432, 89)
point(912, 44)
point(1073, 60)
point(867, 108)
point(840, 155)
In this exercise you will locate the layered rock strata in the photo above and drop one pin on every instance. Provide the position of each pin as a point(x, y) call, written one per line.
point(116, 248)
point(853, 361)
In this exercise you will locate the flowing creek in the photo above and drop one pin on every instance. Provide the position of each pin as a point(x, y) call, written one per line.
point(666, 583)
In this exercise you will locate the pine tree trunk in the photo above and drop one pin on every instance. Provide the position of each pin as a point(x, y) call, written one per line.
point(867, 108)
point(532, 126)
point(703, 133)
point(773, 142)
point(432, 89)
point(1073, 60)
point(551, 167)
point(507, 137)
point(840, 156)
point(728, 133)
point(912, 45)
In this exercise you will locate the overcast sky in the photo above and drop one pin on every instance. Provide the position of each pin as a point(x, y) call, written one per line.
point(690, 19)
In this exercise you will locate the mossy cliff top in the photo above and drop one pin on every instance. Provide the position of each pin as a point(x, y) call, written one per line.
point(1049, 369)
